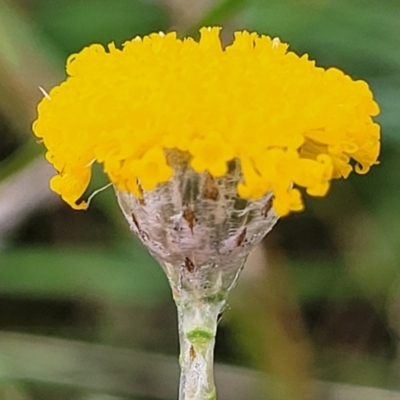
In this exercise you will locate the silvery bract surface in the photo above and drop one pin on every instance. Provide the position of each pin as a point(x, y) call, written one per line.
point(197, 227)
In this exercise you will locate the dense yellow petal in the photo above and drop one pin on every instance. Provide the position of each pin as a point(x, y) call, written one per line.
point(286, 121)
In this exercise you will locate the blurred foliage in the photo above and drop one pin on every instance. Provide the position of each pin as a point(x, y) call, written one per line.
point(75, 24)
point(327, 307)
point(113, 275)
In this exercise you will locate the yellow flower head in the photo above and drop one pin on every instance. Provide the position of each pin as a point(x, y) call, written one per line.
point(288, 123)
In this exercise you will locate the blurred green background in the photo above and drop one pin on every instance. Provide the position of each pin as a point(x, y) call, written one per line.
point(86, 314)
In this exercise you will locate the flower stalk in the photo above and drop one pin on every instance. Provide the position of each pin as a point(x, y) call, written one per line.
point(197, 330)
point(201, 233)
point(200, 299)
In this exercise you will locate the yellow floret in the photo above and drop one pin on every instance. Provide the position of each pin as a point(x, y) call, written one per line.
point(287, 122)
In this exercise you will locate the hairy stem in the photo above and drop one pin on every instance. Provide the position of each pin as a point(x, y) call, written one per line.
point(198, 320)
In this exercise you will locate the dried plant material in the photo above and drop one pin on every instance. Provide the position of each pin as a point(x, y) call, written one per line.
point(241, 237)
point(189, 217)
point(210, 189)
point(189, 265)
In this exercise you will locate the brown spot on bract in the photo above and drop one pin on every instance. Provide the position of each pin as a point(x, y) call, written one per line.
point(192, 352)
point(189, 264)
point(210, 190)
point(268, 206)
point(188, 216)
point(241, 237)
point(141, 199)
point(135, 221)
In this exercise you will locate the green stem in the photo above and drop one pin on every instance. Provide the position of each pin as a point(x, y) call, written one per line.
point(198, 320)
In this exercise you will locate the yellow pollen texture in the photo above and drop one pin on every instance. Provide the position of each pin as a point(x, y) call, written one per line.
point(291, 125)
